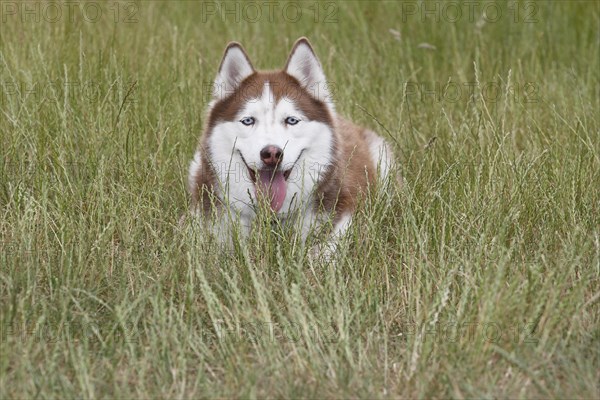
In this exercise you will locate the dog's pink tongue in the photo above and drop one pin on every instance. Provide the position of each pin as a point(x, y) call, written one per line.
point(273, 185)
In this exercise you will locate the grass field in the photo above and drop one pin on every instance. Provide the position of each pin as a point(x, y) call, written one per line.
point(478, 278)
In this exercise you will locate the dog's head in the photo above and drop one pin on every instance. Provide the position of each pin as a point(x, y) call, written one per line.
point(270, 134)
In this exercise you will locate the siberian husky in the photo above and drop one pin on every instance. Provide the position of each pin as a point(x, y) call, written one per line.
point(273, 138)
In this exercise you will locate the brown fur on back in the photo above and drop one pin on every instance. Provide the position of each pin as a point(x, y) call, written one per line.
point(352, 172)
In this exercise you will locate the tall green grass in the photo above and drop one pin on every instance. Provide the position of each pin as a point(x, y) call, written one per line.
point(478, 278)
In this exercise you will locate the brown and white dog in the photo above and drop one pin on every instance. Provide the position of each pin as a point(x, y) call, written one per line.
point(274, 138)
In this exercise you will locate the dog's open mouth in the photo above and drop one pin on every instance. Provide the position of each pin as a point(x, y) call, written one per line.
point(271, 183)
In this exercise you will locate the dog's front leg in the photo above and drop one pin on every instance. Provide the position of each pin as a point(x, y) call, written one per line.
point(223, 227)
point(339, 231)
point(328, 249)
point(308, 223)
point(231, 228)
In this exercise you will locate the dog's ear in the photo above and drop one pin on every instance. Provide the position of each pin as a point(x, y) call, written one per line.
point(235, 67)
point(304, 65)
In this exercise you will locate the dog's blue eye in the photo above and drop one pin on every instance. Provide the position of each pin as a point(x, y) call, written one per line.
point(247, 121)
point(291, 120)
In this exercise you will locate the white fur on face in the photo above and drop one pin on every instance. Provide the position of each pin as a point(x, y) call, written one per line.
point(307, 148)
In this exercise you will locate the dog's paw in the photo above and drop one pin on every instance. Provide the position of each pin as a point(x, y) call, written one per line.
point(326, 251)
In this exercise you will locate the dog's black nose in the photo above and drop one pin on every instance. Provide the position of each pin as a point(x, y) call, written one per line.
point(271, 155)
